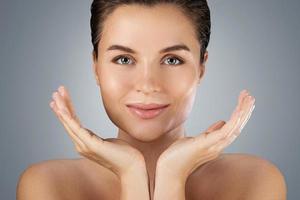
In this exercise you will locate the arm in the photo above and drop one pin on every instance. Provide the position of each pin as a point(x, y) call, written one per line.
point(135, 184)
point(169, 187)
point(185, 155)
point(112, 153)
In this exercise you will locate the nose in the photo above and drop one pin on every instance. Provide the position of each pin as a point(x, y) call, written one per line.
point(147, 81)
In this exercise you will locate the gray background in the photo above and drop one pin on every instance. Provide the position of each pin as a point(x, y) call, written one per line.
point(254, 45)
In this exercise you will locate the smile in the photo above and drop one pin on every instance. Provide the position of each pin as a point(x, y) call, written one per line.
point(146, 113)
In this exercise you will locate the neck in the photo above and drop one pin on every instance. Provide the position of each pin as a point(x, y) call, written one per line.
point(153, 149)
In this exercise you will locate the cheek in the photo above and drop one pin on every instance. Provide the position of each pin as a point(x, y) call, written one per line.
point(183, 90)
point(179, 85)
point(113, 90)
point(111, 80)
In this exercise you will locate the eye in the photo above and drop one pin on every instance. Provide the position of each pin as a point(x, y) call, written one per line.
point(174, 59)
point(123, 59)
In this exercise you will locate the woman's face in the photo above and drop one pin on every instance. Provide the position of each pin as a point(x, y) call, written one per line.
point(148, 75)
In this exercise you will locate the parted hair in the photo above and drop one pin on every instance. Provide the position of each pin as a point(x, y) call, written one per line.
point(196, 10)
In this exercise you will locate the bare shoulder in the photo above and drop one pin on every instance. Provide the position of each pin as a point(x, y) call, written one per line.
point(66, 179)
point(237, 176)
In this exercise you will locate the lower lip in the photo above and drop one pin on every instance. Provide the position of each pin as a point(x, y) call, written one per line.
point(146, 114)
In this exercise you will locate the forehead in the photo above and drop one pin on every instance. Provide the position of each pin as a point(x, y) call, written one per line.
point(152, 27)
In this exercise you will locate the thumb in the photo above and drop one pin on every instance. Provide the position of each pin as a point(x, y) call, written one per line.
point(215, 126)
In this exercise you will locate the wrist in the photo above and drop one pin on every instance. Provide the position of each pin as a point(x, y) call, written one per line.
point(136, 168)
point(135, 184)
point(168, 173)
point(134, 172)
point(168, 187)
point(166, 176)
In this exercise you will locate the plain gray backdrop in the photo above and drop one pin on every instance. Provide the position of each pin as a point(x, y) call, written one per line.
point(254, 45)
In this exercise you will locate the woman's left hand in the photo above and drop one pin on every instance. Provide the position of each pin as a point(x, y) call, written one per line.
point(181, 158)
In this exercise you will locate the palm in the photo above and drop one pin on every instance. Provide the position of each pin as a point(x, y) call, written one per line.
point(179, 152)
point(186, 154)
point(112, 153)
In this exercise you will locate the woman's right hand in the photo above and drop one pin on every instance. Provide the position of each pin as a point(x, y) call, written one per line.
point(112, 153)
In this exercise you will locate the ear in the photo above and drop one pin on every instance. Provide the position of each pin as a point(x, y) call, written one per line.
point(95, 68)
point(202, 67)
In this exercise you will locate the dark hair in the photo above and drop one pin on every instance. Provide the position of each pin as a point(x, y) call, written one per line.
point(196, 10)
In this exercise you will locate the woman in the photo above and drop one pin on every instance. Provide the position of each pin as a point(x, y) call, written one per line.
point(149, 98)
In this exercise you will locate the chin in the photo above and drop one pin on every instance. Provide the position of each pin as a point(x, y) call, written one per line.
point(146, 134)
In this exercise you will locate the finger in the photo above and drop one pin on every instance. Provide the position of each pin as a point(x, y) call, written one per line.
point(242, 96)
point(234, 119)
point(233, 122)
point(215, 126)
point(229, 139)
point(75, 138)
point(213, 138)
point(220, 147)
point(231, 125)
point(66, 96)
point(221, 123)
point(85, 135)
point(78, 143)
point(60, 102)
point(248, 117)
point(241, 109)
point(247, 109)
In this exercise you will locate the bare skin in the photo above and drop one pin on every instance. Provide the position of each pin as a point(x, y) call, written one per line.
point(222, 179)
point(146, 154)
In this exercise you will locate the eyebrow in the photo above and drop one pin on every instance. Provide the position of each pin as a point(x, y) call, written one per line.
point(164, 50)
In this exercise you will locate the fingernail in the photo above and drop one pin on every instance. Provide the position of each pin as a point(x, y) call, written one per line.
point(60, 113)
point(63, 112)
point(252, 108)
point(241, 113)
point(60, 90)
point(52, 104)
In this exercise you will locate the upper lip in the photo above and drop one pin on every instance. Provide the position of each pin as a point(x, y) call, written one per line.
point(147, 106)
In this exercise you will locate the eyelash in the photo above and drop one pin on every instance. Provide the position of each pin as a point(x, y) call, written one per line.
point(123, 56)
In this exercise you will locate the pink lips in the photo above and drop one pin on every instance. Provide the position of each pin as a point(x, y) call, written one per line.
point(147, 111)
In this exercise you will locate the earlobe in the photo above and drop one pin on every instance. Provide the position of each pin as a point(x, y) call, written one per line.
point(202, 71)
point(96, 74)
point(205, 56)
point(202, 67)
point(95, 68)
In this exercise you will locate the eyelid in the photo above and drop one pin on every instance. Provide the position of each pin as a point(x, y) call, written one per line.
point(120, 56)
point(115, 59)
point(181, 60)
point(174, 56)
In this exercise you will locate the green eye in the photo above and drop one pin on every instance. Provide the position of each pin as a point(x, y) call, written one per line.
point(122, 58)
point(125, 60)
point(172, 59)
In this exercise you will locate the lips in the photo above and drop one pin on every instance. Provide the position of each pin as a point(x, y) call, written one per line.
point(147, 111)
point(147, 106)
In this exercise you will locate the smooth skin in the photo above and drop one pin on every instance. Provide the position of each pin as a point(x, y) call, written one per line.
point(151, 159)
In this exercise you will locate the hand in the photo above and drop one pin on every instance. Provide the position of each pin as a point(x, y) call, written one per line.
point(182, 157)
point(112, 153)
